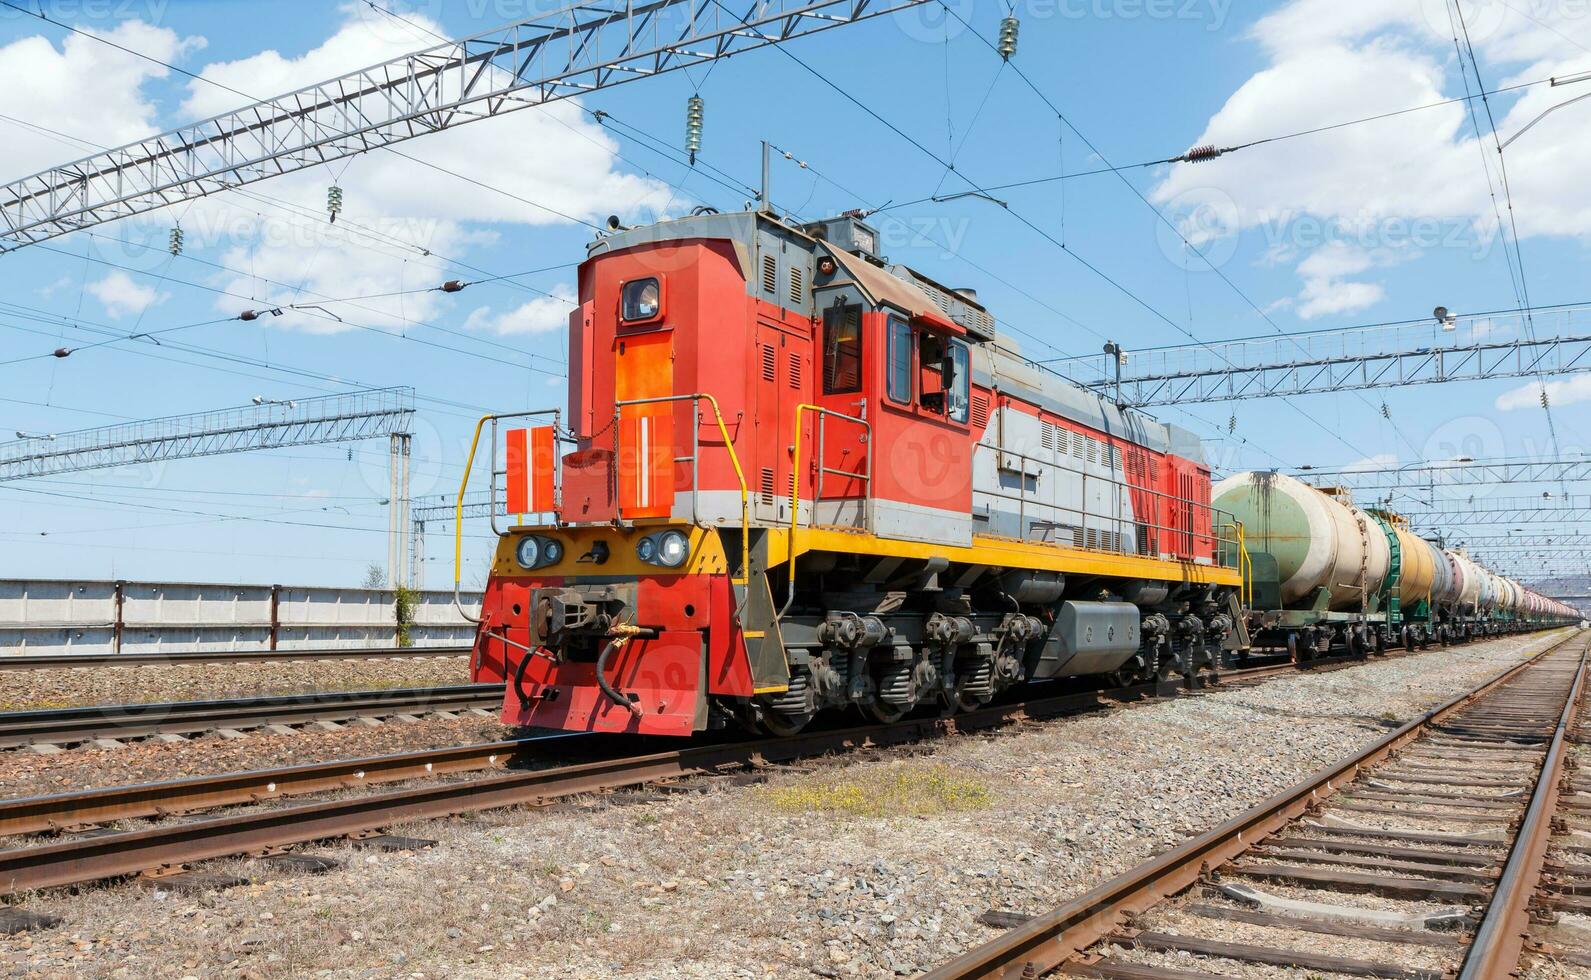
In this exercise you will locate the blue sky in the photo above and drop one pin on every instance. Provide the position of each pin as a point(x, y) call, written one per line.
point(1371, 222)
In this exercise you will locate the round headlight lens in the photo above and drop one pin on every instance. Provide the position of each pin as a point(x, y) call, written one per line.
point(551, 552)
point(646, 550)
point(529, 552)
point(672, 548)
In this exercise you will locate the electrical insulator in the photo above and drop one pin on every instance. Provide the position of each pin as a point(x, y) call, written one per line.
point(693, 126)
point(175, 246)
point(453, 286)
point(334, 202)
point(1386, 412)
point(1545, 403)
point(1231, 425)
point(1009, 27)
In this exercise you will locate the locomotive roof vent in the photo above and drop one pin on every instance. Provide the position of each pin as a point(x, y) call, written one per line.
point(849, 233)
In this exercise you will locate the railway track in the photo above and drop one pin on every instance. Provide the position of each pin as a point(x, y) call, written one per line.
point(1418, 858)
point(89, 661)
point(104, 853)
point(76, 726)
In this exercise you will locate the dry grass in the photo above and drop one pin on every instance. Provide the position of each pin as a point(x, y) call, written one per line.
point(905, 790)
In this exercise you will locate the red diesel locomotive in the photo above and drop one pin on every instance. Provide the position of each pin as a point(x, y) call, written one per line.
point(792, 477)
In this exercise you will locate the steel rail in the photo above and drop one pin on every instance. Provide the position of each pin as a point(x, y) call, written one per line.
point(1500, 938)
point(57, 812)
point(83, 860)
point(63, 811)
point(55, 725)
point(1049, 940)
point(97, 661)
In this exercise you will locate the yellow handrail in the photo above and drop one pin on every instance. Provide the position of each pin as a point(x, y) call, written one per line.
point(464, 482)
point(458, 521)
point(734, 459)
point(745, 491)
point(795, 479)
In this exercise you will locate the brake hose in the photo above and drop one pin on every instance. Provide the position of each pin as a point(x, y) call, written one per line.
point(614, 694)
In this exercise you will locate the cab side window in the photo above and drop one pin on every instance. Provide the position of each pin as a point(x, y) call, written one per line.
point(931, 370)
point(842, 350)
point(899, 358)
point(960, 386)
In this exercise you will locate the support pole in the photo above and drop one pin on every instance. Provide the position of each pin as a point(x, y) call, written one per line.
point(398, 509)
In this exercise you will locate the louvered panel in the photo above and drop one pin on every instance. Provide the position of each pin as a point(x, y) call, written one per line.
point(770, 274)
point(795, 369)
point(980, 412)
point(797, 292)
point(770, 369)
point(1048, 436)
point(767, 488)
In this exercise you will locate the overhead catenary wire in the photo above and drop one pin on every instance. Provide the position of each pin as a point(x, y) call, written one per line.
point(1195, 155)
point(1522, 284)
point(1068, 251)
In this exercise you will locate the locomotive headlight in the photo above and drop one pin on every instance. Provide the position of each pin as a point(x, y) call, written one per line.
point(669, 549)
point(646, 550)
point(537, 552)
point(672, 549)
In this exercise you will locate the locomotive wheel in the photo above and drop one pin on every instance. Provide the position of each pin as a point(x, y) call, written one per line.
point(781, 725)
point(957, 702)
point(884, 714)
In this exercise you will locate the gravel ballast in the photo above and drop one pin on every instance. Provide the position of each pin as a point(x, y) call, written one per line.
point(871, 869)
point(27, 690)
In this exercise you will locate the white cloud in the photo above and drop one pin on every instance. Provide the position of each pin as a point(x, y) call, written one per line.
point(84, 89)
point(1575, 389)
point(544, 314)
point(1412, 181)
point(1326, 286)
point(1380, 461)
point(120, 296)
point(551, 155)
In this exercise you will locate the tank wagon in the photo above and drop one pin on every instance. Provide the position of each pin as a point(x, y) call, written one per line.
point(1328, 576)
point(794, 477)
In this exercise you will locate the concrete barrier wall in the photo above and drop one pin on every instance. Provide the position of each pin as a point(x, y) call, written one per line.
point(45, 616)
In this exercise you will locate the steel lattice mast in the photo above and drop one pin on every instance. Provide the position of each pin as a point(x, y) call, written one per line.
point(576, 50)
point(1391, 355)
point(1443, 474)
point(380, 413)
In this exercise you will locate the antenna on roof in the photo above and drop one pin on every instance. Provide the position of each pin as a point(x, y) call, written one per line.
point(762, 195)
